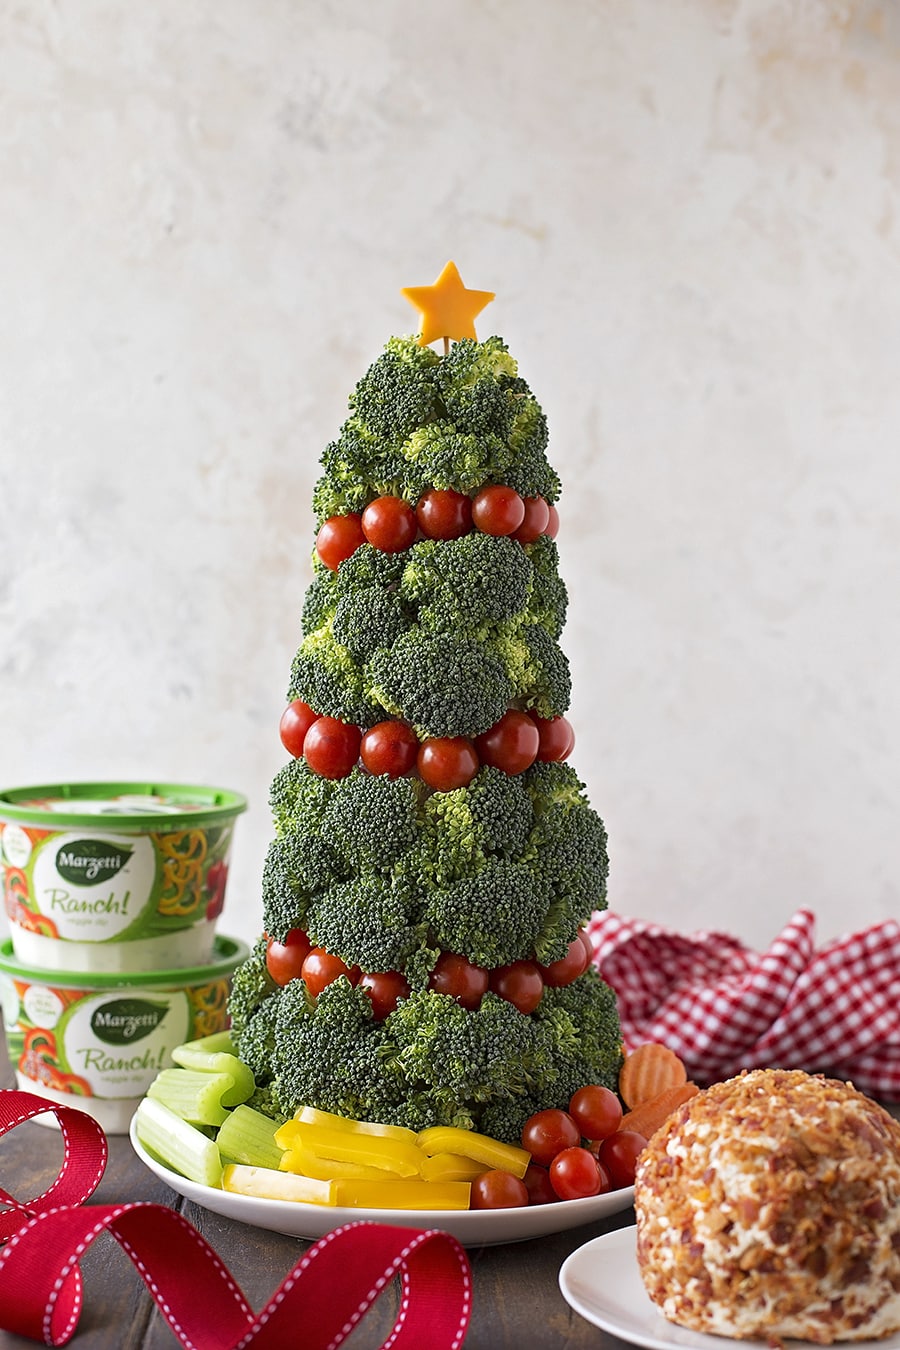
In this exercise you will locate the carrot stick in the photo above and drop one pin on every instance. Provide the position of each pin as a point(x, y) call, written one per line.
point(647, 1118)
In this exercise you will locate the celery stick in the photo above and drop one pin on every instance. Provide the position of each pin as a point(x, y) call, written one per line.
point(219, 1042)
point(248, 1136)
point(177, 1144)
point(196, 1097)
point(198, 1056)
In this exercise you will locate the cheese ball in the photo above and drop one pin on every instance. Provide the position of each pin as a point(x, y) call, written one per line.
point(768, 1207)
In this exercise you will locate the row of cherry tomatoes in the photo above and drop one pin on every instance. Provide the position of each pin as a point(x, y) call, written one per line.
point(332, 748)
point(521, 983)
point(391, 525)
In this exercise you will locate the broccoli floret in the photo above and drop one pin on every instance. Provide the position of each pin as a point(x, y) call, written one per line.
point(440, 456)
point(369, 566)
point(454, 1061)
point(298, 863)
point(478, 385)
point(339, 496)
point(397, 393)
point(251, 987)
point(325, 675)
point(462, 584)
point(491, 918)
point(582, 1020)
point(327, 1052)
point(550, 784)
point(367, 619)
point(549, 598)
point(529, 472)
point(299, 797)
point(318, 603)
point(537, 668)
point(443, 684)
point(368, 922)
point(372, 819)
point(361, 457)
point(567, 849)
point(255, 1040)
point(462, 829)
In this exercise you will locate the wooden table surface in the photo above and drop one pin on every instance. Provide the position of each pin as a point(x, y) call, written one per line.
point(516, 1300)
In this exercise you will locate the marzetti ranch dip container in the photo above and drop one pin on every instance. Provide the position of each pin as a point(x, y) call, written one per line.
point(115, 876)
point(96, 1042)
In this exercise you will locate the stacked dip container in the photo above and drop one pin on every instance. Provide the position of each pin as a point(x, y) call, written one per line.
point(112, 891)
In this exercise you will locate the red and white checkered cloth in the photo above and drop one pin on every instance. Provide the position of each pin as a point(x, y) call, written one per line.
point(722, 1007)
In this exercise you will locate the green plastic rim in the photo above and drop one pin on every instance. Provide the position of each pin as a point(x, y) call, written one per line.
point(203, 806)
point(227, 954)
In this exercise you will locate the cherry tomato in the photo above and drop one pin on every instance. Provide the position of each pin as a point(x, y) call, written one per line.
point(596, 1111)
point(320, 969)
point(588, 944)
point(296, 721)
point(519, 983)
point(447, 762)
point(331, 747)
point(547, 1133)
point(575, 1173)
point(498, 1190)
point(389, 524)
point(338, 538)
point(619, 1154)
point(498, 510)
point(391, 748)
point(537, 514)
point(552, 529)
point(537, 1184)
point(454, 975)
point(567, 968)
point(510, 744)
point(444, 514)
point(385, 988)
point(556, 738)
point(284, 960)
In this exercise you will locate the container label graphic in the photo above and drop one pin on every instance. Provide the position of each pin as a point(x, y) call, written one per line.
point(93, 888)
point(127, 1020)
point(90, 862)
point(116, 1045)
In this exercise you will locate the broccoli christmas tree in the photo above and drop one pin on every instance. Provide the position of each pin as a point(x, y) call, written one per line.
point(434, 859)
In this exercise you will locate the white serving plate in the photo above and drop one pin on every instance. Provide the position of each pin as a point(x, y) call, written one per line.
point(472, 1227)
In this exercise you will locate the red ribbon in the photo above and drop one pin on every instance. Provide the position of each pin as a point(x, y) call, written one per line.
point(327, 1293)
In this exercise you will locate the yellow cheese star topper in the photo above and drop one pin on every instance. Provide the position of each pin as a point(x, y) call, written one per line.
point(448, 309)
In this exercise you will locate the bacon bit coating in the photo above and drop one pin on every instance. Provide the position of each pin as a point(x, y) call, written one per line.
point(768, 1207)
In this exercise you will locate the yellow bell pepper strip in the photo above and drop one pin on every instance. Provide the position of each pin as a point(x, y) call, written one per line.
point(311, 1115)
point(307, 1164)
point(451, 1167)
point(393, 1155)
point(264, 1183)
point(491, 1152)
point(402, 1194)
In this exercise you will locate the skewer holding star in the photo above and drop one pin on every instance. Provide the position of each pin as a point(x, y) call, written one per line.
point(447, 307)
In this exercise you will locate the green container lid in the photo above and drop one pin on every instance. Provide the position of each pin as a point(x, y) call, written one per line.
point(123, 806)
point(227, 954)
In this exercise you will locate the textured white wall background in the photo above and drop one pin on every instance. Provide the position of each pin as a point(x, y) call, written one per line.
point(689, 211)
